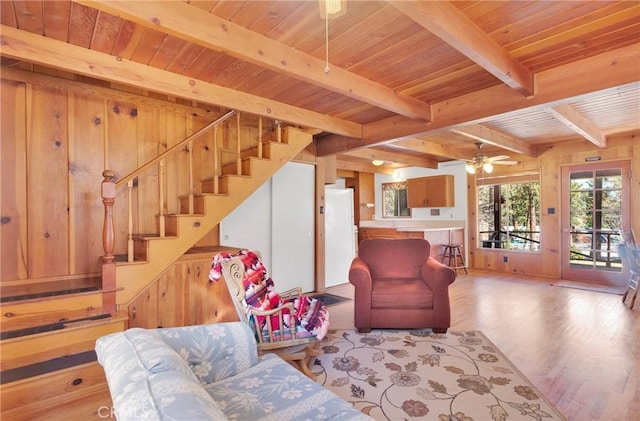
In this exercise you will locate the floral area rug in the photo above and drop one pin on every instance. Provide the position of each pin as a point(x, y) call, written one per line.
point(405, 375)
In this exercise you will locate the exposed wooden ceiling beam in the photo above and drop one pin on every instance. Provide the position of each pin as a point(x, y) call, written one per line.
point(559, 85)
point(425, 146)
point(393, 157)
point(493, 137)
point(33, 48)
point(577, 122)
point(347, 163)
point(193, 24)
point(452, 26)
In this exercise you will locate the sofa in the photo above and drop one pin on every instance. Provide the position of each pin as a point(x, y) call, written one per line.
point(209, 372)
point(397, 285)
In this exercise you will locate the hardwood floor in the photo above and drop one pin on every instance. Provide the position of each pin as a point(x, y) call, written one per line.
point(580, 348)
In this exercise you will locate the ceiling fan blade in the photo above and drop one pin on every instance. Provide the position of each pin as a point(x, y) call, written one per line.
point(497, 158)
point(504, 163)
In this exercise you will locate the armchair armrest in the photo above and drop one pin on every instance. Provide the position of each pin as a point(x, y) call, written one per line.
point(437, 275)
point(360, 275)
point(360, 278)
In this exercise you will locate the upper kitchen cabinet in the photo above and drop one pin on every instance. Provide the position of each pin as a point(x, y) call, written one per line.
point(431, 192)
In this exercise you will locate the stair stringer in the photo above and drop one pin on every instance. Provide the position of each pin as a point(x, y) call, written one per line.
point(132, 278)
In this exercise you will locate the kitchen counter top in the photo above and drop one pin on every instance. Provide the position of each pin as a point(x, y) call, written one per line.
point(423, 229)
point(438, 233)
point(414, 225)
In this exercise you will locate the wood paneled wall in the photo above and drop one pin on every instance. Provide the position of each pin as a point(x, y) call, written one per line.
point(548, 262)
point(58, 136)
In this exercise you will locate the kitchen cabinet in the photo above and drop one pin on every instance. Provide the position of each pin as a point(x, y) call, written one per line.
point(431, 192)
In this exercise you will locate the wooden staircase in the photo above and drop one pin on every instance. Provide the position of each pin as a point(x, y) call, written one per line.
point(154, 254)
point(48, 361)
point(47, 347)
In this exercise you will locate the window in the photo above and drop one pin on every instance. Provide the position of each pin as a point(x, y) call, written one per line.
point(394, 200)
point(509, 213)
point(596, 218)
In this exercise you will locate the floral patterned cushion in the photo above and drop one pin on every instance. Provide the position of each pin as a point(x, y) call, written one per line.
point(150, 381)
point(209, 372)
point(260, 294)
point(274, 390)
point(214, 351)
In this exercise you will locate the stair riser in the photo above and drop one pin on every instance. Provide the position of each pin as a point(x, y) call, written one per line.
point(225, 184)
point(32, 313)
point(33, 320)
point(31, 349)
point(198, 207)
point(51, 386)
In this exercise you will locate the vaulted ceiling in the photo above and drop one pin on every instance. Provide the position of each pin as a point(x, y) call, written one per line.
point(407, 82)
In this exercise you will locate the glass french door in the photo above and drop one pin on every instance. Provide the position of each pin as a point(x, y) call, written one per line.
point(595, 211)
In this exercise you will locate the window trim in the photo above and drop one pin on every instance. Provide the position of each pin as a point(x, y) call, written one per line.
point(393, 185)
point(504, 179)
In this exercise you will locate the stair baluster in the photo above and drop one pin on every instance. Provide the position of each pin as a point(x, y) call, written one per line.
point(191, 196)
point(161, 218)
point(129, 221)
point(260, 137)
point(216, 162)
point(238, 146)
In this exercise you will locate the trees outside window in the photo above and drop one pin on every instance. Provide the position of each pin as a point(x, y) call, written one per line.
point(596, 217)
point(509, 216)
point(394, 200)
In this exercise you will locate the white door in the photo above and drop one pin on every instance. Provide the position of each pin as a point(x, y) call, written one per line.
point(293, 227)
point(339, 235)
point(249, 225)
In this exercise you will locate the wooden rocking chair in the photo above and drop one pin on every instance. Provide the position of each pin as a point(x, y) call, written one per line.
point(290, 345)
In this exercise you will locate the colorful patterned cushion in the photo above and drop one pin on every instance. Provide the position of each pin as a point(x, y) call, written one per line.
point(311, 314)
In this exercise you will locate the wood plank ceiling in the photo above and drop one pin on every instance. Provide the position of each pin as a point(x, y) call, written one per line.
point(408, 82)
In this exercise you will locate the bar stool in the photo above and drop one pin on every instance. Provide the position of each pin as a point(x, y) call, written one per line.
point(454, 254)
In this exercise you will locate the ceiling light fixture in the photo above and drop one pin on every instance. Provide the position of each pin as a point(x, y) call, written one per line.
point(482, 161)
point(377, 162)
point(330, 9)
point(472, 167)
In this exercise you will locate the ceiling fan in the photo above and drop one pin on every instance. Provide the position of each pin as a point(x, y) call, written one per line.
point(481, 160)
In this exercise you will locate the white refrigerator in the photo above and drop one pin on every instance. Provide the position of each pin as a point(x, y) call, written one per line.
point(340, 235)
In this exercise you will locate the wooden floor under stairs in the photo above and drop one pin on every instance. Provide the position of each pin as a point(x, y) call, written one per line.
point(47, 341)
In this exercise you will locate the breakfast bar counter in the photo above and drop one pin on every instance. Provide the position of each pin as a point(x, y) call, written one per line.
point(438, 233)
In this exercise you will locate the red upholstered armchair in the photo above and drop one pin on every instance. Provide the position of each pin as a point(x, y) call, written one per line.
point(399, 286)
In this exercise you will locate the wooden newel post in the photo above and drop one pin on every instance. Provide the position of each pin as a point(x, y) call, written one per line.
point(108, 244)
point(108, 231)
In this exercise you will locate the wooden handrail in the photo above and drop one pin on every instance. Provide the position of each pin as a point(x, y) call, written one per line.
point(179, 145)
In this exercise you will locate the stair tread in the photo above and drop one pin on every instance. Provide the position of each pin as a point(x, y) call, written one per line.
point(204, 180)
point(37, 295)
point(44, 367)
point(204, 194)
point(48, 327)
point(72, 325)
point(26, 319)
